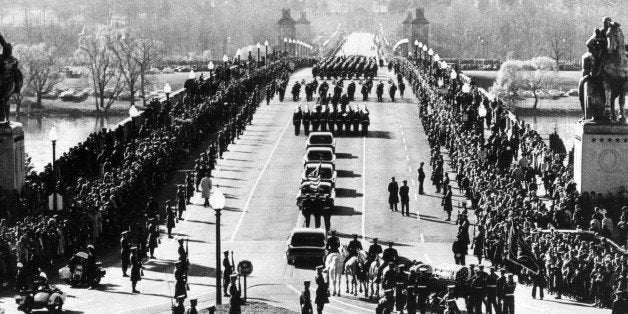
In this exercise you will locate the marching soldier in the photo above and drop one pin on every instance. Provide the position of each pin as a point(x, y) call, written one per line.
point(322, 290)
point(315, 120)
point(509, 295)
point(380, 91)
point(501, 283)
point(400, 285)
point(181, 279)
point(424, 286)
point(296, 120)
point(125, 251)
point(305, 300)
point(227, 272)
point(351, 90)
point(365, 121)
point(179, 308)
point(306, 121)
point(192, 309)
point(491, 292)
point(411, 301)
point(331, 119)
point(365, 92)
point(478, 287)
point(322, 120)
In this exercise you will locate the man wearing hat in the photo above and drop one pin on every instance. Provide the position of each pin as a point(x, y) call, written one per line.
point(333, 243)
point(179, 308)
point(373, 254)
point(353, 248)
point(478, 287)
point(181, 200)
point(322, 290)
point(189, 184)
point(421, 178)
point(227, 271)
point(411, 304)
point(386, 303)
point(171, 217)
point(424, 288)
point(491, 291)
point(393, 194)
point(235, 302)
point(389, 255)
point(183, 254)
point(404, 197)
point(181, 278)
point(449, 300)
point(153, 235)
point(400, 284)
point(501, 282)
point(509, 295)
point(136, 269)
point(192, 309)
point(305, 300)
point(125, 251)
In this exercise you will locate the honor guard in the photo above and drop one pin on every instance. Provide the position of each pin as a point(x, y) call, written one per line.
point(181, 279)
point(305, 300)
point(365, 92)
point(235, 302)
point(348, 120)
point(478, 287)
point(386, 303)
point(333, 243)
point(400, 285)
point(296, 120)
point(449, 301)
point(306, 121)
point(331, 119)
point(322, 120)
point(356, 121)
point(411, 299)
point(366, 120)
point(315, 120)
point(501, 282)
point(125, 252)
point(423, 289)
point(509, 295)
point(491, 292)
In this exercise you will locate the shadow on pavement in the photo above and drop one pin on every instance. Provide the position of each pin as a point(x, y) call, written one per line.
point(345, 156)
point(345, 211)
point(347, 174)
point(342, 192)
point(380, 134)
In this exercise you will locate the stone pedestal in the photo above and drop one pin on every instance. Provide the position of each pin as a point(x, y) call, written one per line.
point(12, 170)
point(601, 157)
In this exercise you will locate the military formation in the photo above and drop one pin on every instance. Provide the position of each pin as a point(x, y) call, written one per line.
point(346, 67)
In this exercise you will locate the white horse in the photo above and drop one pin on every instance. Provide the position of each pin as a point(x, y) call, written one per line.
point(371, 278)
point(333, 266)
point(353, 269)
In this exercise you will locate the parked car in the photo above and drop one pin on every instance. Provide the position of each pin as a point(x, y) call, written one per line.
point(167, 70)
point(318, 154)
point(321, 139)
point(326, 171)
point(67, 95)
point(182, 68)
point(154, 70)
point(306, 245)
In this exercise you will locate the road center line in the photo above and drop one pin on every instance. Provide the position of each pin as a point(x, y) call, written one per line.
point(248, 201)
point(409, 169)
point(363, 189)
point(413, 182)
point(422, 239)
point(428, 259)
point(407, 157)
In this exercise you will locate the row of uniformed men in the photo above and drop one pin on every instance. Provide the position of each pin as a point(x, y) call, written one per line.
point(346, 66)
point(333, 121)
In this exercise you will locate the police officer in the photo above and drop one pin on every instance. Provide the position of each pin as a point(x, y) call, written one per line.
point(306, 209)
point(306, 121)
point(333, 243)
point(509, 295)
point(353, 248)
point(183, 254)
point(296, 120)
point(136, 269)
point(380, 91)
point(181, 279)
point(227, 272)
point(125, 251)
point(491, 292)
point(421, 178)
point(373, 253)
point(189, 182)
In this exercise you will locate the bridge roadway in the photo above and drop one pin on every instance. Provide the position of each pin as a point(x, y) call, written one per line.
point(259, 176)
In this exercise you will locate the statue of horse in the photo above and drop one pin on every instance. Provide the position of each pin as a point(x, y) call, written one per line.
point(333, 265)
point(615, 71)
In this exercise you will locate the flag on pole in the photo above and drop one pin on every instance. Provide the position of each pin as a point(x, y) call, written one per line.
point(520, 253)
point(315, 177)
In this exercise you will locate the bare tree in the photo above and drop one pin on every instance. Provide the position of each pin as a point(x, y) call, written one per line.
point(125, 48)
point(149, 52)
point(42, 68)
point(533, 75)
point(103, 66)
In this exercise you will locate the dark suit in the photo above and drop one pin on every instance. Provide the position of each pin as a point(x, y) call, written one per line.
point(393, 197)
point(421, 179)
point(404, 192)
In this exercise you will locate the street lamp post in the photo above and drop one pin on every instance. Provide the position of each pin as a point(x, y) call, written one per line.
point(258, 52)
point(420, 50)
point(53, 136)
point(266, 47)
point(416, 49)
point(430, 53)
point(239, 55)
point(285, 44)
point(217, 202)
point(424, 55)
point(167, 91)
point(210, 67)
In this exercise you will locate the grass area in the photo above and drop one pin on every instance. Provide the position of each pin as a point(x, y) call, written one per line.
point(567, 79)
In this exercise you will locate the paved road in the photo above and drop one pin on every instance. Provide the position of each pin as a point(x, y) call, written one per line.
point(259, 176)
point(359, 44)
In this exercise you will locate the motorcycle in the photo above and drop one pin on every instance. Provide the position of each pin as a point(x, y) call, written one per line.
point(50, 298)
point(75, 274)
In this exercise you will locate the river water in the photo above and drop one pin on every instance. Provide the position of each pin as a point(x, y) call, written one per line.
point(71, 131)
point(564, 124)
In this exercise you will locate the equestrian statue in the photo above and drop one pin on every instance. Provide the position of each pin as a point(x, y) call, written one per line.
point(604, 74)
point(11, 79)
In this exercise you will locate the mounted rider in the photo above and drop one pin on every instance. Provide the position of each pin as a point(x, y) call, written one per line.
point(353, 248)
point(333, 243)
point(373, 254)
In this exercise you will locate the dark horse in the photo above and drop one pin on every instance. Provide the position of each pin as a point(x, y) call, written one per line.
point(615, 72)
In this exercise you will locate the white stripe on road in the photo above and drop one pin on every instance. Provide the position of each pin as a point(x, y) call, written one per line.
point(405, 147)
point(428, 259)
point(162, 303)
point(422, 239)
point(248, 201)
point(401, 133)
point(415, 198)
point(404, 139)
point(409, 169)
point(363, 188)
point(407, 158)
point(413, 182)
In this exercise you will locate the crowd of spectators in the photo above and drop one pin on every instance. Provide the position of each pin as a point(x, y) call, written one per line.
point(104, 182)
point(499, 162)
